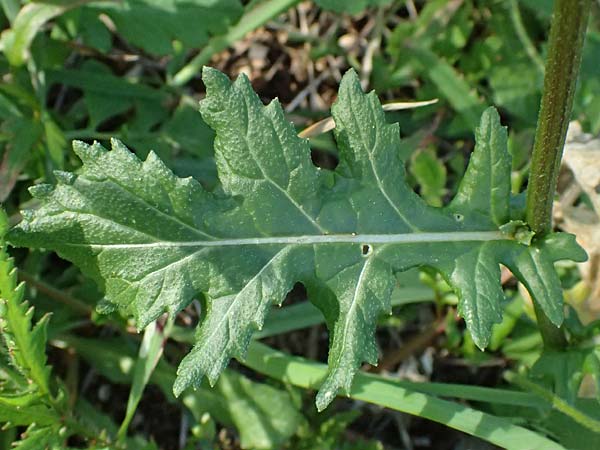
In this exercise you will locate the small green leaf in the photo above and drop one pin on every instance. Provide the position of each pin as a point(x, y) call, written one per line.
point(534, 266)
point(430, 173)
point(154, 25)
point(477, 275)
point(26, 344)
point(153, 241)
point(39, 437)
point(264, 415)
point(483, 188)
point(16, 41)
point(22, 416)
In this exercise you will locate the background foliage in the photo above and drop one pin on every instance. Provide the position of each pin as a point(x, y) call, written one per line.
point(131, 70)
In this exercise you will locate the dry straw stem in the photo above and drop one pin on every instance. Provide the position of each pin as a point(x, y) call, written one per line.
point(327, 124)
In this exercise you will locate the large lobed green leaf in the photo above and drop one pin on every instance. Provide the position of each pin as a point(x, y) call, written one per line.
point(154, 241)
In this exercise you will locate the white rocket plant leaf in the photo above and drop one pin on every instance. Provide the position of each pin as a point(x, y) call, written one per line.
point(154, 241)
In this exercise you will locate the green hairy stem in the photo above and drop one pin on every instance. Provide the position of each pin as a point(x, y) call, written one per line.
point(562, 68)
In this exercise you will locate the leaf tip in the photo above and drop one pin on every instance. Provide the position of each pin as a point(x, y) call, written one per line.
point(63, 177)
point(563, 245)
point(179, 386)
point(480, 331)
point(41, 191)
point(578, 253)
point(117, 146)
point(480, 341)
point(492, 131)
point(208, 72)
point(214, 80)
point(557, 319)
point(80, 147)
point(349, 87)
point(334, 383)
point(105, 306)
point(350, 76)
point(324, 398)
point(87, 152)
point(491, 114)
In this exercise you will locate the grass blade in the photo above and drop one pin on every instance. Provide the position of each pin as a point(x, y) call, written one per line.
point(151, 350)
point(387, 393)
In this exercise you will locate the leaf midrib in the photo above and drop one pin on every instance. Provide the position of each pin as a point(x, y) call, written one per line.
point(403, 238)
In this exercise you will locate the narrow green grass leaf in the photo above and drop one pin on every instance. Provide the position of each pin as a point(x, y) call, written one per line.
point(449, 82)
point(39, 437)
point(380, 391)
point(104, 84)
point(557, 402)
point(150, 352)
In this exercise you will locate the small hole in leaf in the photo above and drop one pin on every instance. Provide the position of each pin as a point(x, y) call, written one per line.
point(458, 217)
point(366, 249)
point(324, 159)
